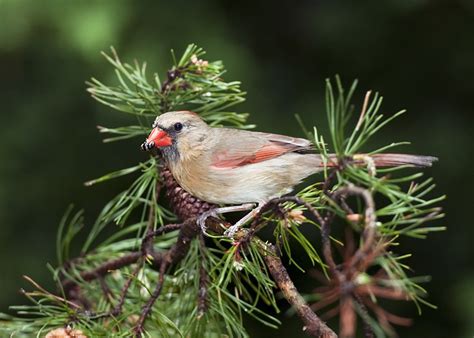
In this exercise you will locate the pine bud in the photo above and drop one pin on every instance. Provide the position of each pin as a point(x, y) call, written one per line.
point(354, 218)
point(297, 216)
point(65, 332)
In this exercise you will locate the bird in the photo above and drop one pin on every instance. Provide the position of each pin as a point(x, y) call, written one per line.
point(242, 170)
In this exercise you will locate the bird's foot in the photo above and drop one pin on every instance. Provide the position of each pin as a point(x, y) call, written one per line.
point(201, 221)
point(218, 211)
point(230, 232)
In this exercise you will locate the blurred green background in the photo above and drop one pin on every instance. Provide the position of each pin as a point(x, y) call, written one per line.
point(418, 53)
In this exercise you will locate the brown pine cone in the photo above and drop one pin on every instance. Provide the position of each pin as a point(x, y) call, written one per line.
point(182, 203)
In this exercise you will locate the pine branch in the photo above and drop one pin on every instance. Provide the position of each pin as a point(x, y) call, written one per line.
point(314, 326)
point(155, 275)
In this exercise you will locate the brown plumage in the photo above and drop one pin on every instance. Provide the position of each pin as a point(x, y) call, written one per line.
point(232, 166)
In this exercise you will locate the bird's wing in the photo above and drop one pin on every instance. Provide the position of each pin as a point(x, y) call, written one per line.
point(240, 147)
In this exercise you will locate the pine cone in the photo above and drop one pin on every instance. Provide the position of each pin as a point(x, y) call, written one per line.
point(183, 203)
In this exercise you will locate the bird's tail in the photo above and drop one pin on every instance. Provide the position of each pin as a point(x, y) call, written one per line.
point(383, 160)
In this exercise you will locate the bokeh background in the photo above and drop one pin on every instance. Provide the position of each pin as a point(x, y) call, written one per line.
point(418, 53)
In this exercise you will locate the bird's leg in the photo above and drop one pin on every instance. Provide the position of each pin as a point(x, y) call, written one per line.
point(218, 211)
point(233, 229)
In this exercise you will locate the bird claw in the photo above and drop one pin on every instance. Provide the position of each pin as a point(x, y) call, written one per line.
point(231, 231)
point(201, 221)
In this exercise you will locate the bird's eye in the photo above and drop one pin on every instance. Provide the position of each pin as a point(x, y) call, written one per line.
point(178, 126)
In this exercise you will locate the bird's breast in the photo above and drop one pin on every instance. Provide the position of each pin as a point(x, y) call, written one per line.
point(255, 182)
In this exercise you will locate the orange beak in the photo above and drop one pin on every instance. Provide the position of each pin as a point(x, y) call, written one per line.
point(157, 138)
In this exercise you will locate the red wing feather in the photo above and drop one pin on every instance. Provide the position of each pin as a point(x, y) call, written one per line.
point(268, 151)
point(222, 160)
point(242, 147)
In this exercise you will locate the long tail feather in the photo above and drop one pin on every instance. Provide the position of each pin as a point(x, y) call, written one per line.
point(395, 160)
point(387, 160)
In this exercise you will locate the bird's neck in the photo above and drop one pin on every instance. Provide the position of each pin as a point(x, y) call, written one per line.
point(188, 158)
point(184, 158)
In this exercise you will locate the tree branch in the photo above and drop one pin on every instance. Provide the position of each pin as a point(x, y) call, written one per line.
point(314, 326)
point(370, 229)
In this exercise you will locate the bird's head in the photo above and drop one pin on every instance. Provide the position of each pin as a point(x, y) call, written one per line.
point(177, 134)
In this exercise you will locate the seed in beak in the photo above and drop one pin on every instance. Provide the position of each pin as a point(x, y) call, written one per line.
point(147, 146)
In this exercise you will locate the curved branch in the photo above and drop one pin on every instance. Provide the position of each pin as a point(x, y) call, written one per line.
point(370, 229)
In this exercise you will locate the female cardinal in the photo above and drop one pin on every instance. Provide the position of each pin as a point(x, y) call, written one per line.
point(232, 166)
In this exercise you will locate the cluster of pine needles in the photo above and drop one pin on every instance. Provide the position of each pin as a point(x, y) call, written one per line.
point(155, 274)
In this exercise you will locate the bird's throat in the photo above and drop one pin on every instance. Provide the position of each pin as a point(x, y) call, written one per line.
point(170, 154)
